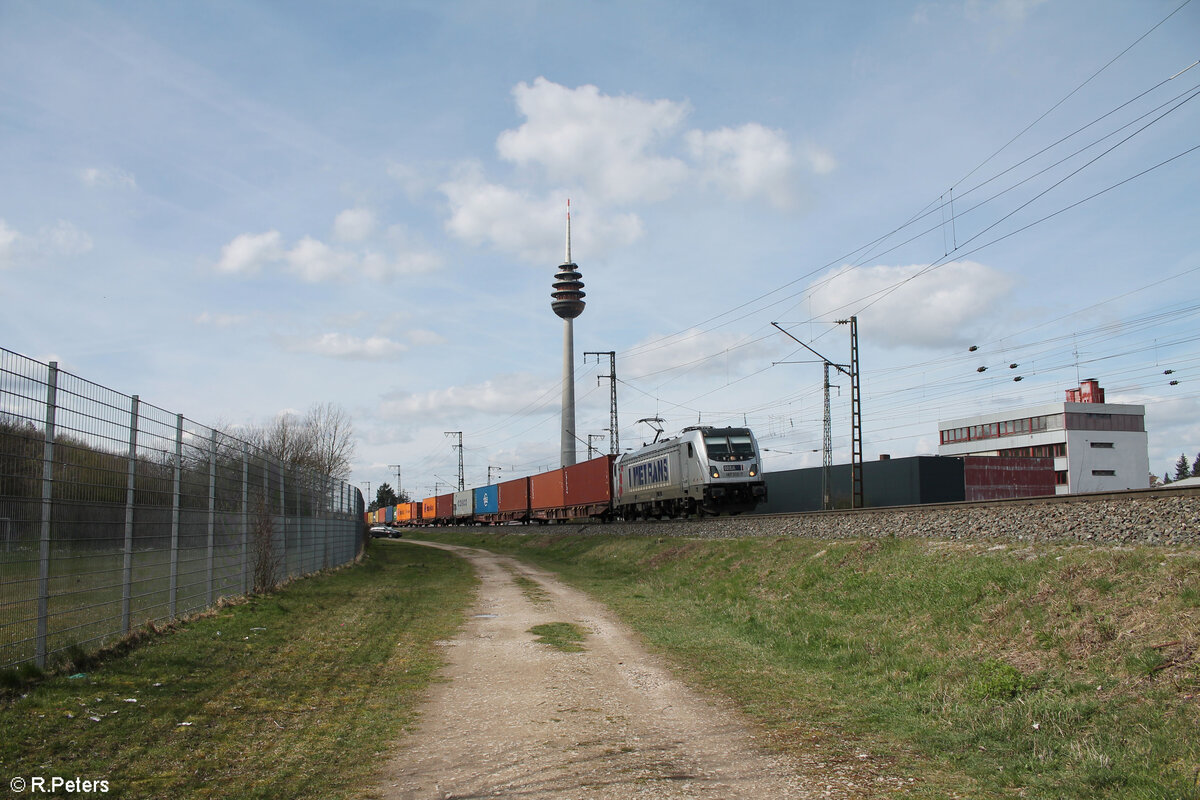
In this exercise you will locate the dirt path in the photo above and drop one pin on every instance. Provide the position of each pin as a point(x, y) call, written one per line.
point(516, 718)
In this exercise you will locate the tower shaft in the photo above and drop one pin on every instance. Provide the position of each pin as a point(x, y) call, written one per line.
point(568, 394)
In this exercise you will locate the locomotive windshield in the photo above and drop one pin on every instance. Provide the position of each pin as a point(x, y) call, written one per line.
point(731, 445)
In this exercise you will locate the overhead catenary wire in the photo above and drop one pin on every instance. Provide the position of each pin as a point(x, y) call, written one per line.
point(961, 250)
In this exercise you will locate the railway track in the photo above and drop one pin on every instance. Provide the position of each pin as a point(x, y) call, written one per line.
point(1142, 516)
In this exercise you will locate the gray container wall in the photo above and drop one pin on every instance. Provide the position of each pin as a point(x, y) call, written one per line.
point(895, 482)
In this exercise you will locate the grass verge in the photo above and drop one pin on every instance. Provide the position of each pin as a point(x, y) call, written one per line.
point(294, 694)
point(928, 669)
point(565, 636)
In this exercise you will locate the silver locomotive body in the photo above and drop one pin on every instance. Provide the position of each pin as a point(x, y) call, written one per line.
point(704, 470)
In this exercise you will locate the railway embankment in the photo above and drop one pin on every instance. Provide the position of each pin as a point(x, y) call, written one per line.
point(1161, 517)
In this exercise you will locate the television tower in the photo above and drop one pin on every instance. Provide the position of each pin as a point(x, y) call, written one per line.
point(567, 302)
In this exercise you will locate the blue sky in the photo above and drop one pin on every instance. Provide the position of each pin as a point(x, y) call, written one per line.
point(235, 209)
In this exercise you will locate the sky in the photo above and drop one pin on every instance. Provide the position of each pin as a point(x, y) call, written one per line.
point(240, 209)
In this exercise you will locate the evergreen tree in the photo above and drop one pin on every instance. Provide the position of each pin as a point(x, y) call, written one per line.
point(1196, 466)
point(1182, 468)
point(385, 496)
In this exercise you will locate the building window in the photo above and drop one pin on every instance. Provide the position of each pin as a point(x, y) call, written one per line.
point(1103, 445)
point(1104, 473)
point(1106, 422)
point(1060, 477)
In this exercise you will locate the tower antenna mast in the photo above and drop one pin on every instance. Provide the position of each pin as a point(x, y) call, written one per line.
point(567, 302)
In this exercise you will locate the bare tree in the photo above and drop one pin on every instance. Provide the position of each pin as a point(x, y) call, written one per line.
point(287, 439)
point(330, 438)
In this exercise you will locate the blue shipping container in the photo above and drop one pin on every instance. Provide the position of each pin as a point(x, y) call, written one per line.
point(487, 499)
point(390, 514)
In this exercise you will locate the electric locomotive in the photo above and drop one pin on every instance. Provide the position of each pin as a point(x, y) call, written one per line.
point(704, 470)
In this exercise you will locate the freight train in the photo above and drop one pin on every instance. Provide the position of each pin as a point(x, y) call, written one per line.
point(703, 471)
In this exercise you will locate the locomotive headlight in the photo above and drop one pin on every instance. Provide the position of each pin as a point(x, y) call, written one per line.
point(716, 473)
point(753, 470)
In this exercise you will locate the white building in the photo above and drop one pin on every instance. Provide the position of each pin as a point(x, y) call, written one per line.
point(1096, 446)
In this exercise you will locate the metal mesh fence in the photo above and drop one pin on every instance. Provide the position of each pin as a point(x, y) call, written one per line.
point(115, 513)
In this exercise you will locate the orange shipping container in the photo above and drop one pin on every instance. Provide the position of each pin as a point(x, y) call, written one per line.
point(546, 490)
point(514, 495)
point(589, 483)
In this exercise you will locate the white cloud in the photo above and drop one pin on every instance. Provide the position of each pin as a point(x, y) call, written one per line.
point(344, 346)
point(820, 160)
point(50, 242)
point(606, 143)
point(354, 224)
point(414, 182)
point(220, 320)
point(518, 224)
point(250, 252)
point(1009, 10)
point(105, 177)
point(62, 239)
point(947, 306)
point(314, 261)
point(408, 256)
point(424, 338)
point(506, 394)
point(612, 151)
point(747, 161)
point(8, 243)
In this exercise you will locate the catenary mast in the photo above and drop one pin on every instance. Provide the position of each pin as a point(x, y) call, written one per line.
point(567, 302)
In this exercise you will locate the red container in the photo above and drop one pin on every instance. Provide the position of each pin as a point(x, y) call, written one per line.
point(1005, 477)
point(589, 483)
point(546, 490)
point(445, 507)
point(513, 502)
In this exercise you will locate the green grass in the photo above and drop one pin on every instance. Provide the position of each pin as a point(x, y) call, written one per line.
point(565, 636)
point(293, 694)
point(533, 592)
point(943, 668)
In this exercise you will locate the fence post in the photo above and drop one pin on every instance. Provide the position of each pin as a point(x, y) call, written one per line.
point(283, 523)
point(245, 518)
point(130, 486)
point(175, 504)
point(43, 625)
point(326, 524)
point(299, 497)
point(212, 513)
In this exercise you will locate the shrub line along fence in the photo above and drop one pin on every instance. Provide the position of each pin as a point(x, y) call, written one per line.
point(115, 513)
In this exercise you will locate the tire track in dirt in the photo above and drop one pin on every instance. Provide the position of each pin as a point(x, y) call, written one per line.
point(514, 718)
